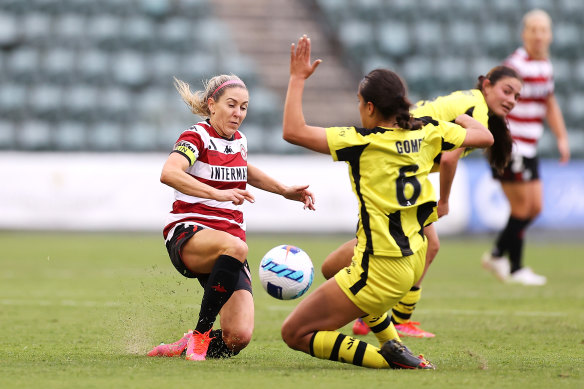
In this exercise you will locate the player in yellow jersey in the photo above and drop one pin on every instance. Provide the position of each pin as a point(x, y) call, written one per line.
point(495, 95)
point(389, 160)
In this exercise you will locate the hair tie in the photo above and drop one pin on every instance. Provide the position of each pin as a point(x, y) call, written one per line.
point(229, 82)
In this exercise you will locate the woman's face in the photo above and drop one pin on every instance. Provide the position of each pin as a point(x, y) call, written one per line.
point(228, 112)
point(537, 36)
point(502, 96)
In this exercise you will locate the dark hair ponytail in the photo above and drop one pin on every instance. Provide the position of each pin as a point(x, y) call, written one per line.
point(499, 154)
point(386, 90)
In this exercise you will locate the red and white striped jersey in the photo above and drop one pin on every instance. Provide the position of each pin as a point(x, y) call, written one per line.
point(526, 119)
point(220, 163)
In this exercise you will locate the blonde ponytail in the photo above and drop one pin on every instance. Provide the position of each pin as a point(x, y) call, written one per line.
point(197, 101)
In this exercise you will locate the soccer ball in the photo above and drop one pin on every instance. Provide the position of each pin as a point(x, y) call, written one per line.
point(286, 272)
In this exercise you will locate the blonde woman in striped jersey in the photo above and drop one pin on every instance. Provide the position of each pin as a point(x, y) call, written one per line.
point(205, 231)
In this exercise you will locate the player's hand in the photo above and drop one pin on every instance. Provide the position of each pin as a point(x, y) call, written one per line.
point(564, 149)
point(300, 65)
point(236, 196)
point(300, 193)
point(443, 208)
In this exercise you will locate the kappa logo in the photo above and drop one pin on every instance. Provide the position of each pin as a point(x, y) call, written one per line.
point(228, 150)
point(219, 288)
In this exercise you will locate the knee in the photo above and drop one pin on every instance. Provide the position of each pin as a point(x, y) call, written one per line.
point(536, 210)
point(327, 269)
point(238, 339)
point(236, 248)
point(289, 335)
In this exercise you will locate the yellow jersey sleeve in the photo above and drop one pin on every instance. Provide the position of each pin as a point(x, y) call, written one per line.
point(341, 137)
point(452, 134)
point(472, 102)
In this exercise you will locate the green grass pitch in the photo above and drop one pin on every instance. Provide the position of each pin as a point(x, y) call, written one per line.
point(82, 310)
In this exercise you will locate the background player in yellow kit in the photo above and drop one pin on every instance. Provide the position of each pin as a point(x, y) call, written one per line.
point(494, 97)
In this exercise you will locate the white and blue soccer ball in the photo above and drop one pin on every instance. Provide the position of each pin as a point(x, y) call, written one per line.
point(286, 272)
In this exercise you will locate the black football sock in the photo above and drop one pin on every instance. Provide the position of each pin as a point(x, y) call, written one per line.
point(508, 236)
point(218, 290)
point(516, 243)
point(218, 348)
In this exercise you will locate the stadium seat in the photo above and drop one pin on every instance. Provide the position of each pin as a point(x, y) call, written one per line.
point(80, 101)
point(129, 68)
point(196, 67)
point(103, 31)
point(567, 39)
point(462, 36)
point(45, 99)
point(428, 37)
point(139, 33)
point(563, 72)
point(59, 65)
point(156, 9)
point(334, 11)
point(8, 31)
point(377, 61)
point(70, 135)
point(94, 66)
point(355, 36)
point(140, 136)
point(34, 28)
point(574, 107)
point(13, 98)
point(498, 38)
point(418, 72)
point(116, 101)
point(70, 27)
point(505, 10)
point(34, 134)
point(393, 38)
point(7, 134)
point(578, 73)
point(105, 136)
point(23, 65)
point(480, 66)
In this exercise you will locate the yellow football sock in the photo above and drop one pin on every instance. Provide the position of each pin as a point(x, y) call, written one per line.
point(335, 346)
point(381, 327)
point(403, 310)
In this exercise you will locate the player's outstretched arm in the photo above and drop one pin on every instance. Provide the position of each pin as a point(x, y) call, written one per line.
point(294, 127)
point(477, 135)
point(257, 178)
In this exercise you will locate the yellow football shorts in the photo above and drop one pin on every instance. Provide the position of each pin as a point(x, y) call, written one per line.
point(376, 283)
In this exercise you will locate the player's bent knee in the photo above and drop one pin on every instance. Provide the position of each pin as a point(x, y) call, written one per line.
point(327, 270)
point(236, 248)
point(290, 336)
point(237, 340)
